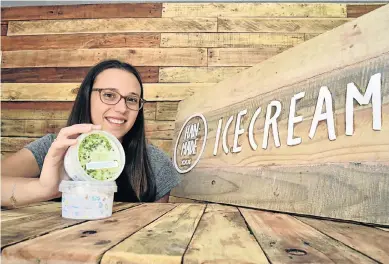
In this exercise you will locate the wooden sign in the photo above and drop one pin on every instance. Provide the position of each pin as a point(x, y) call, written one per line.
point(306, 131)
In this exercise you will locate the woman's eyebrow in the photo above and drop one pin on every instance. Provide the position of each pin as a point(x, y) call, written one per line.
point(117, 90)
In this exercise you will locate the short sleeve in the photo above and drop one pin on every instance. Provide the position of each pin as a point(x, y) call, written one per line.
point(40, 147)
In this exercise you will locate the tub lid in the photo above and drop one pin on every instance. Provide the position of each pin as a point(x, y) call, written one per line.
point(107, 186)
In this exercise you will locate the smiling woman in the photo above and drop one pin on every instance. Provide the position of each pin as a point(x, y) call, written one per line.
point(148, 173)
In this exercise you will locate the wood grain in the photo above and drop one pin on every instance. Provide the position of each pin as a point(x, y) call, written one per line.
point(30, 211)
point(112, 25)
point(369, 241)
point(166, 110)
point(197, 74)
point(4, 29)
point(241, 57)
point(63, 74)
point(87, 242)
point(13, 144)
point(279, 25)
point(357, 10)
point(253, 9)
point(90, 57)
point(165, 145)
point(222, 237)
point(229, 40)
point(287, 240)
point(19, 229)
point(68, 91)
point(82, 11)
point(163, 241)
point(81, 41)
point(174, 199)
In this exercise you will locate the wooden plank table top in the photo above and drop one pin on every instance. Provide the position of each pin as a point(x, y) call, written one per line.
point(185, 233)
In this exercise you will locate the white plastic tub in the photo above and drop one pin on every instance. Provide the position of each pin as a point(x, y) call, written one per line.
point(97, 156)
point(88, 200)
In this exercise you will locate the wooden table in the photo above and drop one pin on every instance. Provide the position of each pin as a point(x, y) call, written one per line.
point(185, 233)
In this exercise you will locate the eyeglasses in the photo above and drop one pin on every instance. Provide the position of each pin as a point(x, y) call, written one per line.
point(111, 97)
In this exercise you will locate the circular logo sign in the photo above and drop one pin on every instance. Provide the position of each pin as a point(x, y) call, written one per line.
point(190, 143)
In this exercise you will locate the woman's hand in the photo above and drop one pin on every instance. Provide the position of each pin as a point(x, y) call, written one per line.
point(52, 169)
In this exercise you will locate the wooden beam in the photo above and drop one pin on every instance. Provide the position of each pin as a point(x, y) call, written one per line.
point(357, 10)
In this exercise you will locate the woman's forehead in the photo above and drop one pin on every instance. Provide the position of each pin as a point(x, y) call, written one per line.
point(122, 80)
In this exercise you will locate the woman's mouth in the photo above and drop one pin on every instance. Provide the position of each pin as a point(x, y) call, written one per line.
point(115, 121)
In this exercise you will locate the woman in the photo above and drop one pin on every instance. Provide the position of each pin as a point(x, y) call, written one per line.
point(110, 98)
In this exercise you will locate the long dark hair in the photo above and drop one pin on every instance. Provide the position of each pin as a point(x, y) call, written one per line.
point(137, 181)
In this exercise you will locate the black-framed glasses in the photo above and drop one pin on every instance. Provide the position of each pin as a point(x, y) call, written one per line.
point(111, 97)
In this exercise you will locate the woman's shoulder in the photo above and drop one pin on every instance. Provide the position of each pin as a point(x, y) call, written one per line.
point(157, 155)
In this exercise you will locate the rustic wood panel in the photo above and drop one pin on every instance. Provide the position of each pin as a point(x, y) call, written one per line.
point(20, 229)
point(13, 144)
point(357, 10)
point(87, 242)
point(52, 110)
point(229, 40)
point(90, 57)
point(197, 74)
point(241, 57)
point(68, 91)
point(81, 41)
point(29, 211)
point(279, 25)
point(166, 110)
point(114, 25)
point(82, 11)
point(165, 145)
point(222, 236)
point(63, 74)
point(173, 199)
point(253, 9)
point(367, 240)
point(310, 36)
point(4, 29)
point(163, 241)
point(287, 240)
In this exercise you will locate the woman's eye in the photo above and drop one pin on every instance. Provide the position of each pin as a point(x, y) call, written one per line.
point(109, 95)
point(132, 100)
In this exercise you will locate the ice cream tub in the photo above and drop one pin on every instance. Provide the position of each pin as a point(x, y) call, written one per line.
point(97, 156)
point(88, 200)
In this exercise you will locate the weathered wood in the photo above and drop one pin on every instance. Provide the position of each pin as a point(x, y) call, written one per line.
point(68, 91)
point(30, 212)
point(279, 25)
point(4, 29)
point(63, 74)
point(229, 40)
point(81, 41)
point(19, 229)
point(90, 57)
point(166, 110)
point(163, 241)
point(112, 25)
point(310, 36)
point(165, 145)
point(384, 229)
point(253, 9)
point(287, 240)
point(222, 237)
point(241, 57)
point(197, 74)
point(301, 177)
point(82, 11)
point(13, 144)
point(369, 241)
point(173, 199)
point(357, 10)
point(52, 110)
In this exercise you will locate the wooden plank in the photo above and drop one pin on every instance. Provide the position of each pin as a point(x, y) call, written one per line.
point(367, 240)
point(52, 110)
point(166, 110)
point(4, 29)
point(82, 11)
point(62, 74)
point(81, 41)
point(357, 10)
point(13, 144)
point(164, 145)
point(310, 36)
point(174, 199)
point(197, 74)
point(229, 40)
point(159, 129)
point(303, 176)
point(85, 243)
point(90, 57)
point(222, 236)
point(68, 91)
point(384, 229)
point(166, 238)
point(287, 240)
point(253, 9)
point(30, 211)
point(112, 25)
point(20, 229)
point(279, 25)
point(241, 57)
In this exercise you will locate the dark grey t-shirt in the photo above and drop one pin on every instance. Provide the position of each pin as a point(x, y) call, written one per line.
point(166, 176)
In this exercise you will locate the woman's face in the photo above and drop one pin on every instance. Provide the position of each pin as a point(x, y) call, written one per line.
point(116, 119)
